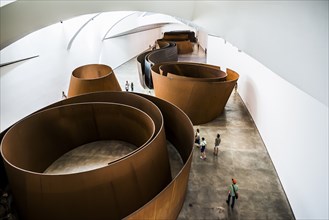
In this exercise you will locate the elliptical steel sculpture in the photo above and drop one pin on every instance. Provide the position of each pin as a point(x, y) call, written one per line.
point(92, 78)
point(137, 186)
point(200, 90)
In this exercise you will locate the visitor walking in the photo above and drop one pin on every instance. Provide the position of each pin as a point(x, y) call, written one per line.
point(127, 86)
point(217, 142)
point(197, 138)
point(233, 192)
point(203, 149)
point(132, 86)
point(63, 95)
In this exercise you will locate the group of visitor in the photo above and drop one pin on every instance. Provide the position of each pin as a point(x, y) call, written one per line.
point(202, 144)
point(131, 86)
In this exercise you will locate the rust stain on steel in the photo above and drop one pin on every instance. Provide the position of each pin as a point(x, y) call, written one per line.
point(92, 78)
point(200, 90)
point(138, 184)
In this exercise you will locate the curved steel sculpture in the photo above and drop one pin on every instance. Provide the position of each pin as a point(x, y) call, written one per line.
point(91, 78)
point(172, 44)
point(180, 35)
point(183, 46)
point(183, 39)
point(200, 90)
point(138, 185)
point(167, 52)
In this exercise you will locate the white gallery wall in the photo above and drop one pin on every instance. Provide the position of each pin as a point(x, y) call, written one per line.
point(289, 37)
point(293, 126)
point(203, 38)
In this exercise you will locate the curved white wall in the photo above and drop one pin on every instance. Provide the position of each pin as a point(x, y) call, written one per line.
point(288, 37)
point(24, 17)
point(293, 126)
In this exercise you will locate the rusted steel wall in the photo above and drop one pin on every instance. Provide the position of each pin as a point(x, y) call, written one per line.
point(138, 183)
point(141, 68)
point(187, 86)
point(180, 34)
point(92, 78)
point(183, 46)
point(194, 71)
point(166, 52)
point(169, 202)
point(183, 40)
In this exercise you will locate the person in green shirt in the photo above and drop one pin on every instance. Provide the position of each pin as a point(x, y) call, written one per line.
point(233, 189)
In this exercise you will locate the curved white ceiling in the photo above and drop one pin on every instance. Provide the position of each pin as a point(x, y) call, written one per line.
point(289, 37)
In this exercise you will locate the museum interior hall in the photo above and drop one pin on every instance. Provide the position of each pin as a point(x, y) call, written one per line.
point(164, 110)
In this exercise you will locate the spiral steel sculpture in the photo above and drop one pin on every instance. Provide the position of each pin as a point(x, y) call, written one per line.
point(167, 52)
point(137, 186)
point(200, 90)
point(91, 78)
point(172, 44)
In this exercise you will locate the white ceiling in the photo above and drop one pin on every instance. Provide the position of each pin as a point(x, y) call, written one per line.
point(288, 37)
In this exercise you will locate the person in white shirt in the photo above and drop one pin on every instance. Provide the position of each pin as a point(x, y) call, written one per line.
point(203, 148)
point(127, 86)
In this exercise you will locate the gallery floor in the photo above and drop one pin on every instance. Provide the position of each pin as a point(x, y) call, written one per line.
point(242, 155)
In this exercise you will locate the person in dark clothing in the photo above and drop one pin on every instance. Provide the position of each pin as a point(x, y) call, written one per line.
point(127, 86)
point(132, 86)
point(197, 138)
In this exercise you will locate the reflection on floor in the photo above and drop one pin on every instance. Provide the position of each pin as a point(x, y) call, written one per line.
point(242, 155)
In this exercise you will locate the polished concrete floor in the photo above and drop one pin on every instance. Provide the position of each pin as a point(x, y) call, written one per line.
point(242, 155)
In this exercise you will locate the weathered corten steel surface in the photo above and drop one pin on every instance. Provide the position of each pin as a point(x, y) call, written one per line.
point(141, 68)
point(194, 71)
point(169, 202)
point(91, 78)
point(182, 38)
point(180, 34)
point(200, 90)
point(166, 52)
point(135, 186)
point(183, 46)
